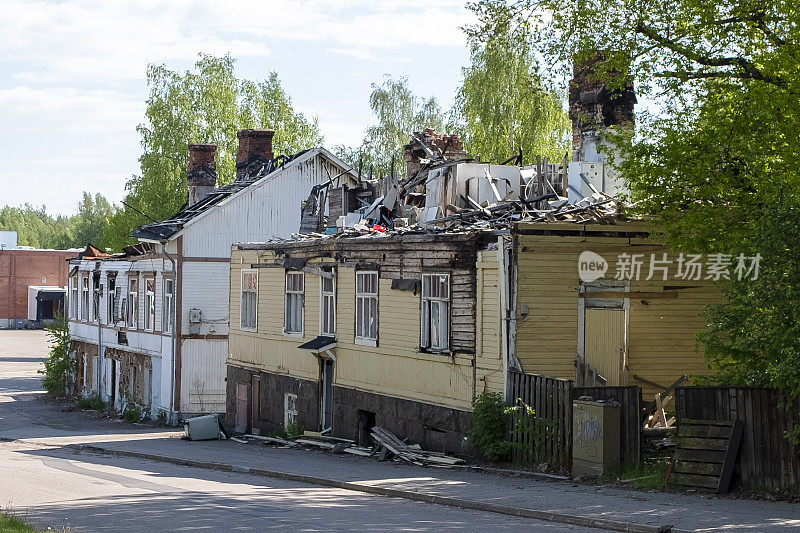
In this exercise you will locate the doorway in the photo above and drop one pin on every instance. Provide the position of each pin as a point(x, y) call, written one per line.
point(326, 383)
point(242, 393)
point(604, 343)
point(255, 405)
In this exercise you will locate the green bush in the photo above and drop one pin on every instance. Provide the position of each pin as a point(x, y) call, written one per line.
point(295, 429)
point(91, 402)
point(133, 413)
point(60, 365)
point(488, 435)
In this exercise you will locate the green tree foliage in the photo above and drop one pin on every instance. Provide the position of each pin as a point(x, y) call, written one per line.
point(488, 434)
point(35, 227)
point(206, 105)
point(399, 113)
point(719, 165)
point(60, 365)
point(503, 106)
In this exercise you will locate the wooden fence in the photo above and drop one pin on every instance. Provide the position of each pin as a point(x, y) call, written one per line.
point(631, 418)
point(549, 436)
point(767, 459)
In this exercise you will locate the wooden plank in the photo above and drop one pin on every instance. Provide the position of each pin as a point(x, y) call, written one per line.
point(706, 456)
point(730, 458)
point(699, 468)
point(712, 431)
point(689, 443)
point(690, 480)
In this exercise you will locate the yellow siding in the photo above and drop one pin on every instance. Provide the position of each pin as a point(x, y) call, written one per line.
point(661, 331)
point(396, 367)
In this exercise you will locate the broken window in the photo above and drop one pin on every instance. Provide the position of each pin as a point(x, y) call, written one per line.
point(166, 321)
point(132, 314)
point(73, 297)
point(149, 303)
point(327, 320)
point(435, 311)
point(85, 297)
point(111, 300)
point(249, 304)
point(366, 308)
point(295, 289)
point(96, 297)
point(289, 409)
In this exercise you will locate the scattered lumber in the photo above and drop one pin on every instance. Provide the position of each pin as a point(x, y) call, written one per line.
point(271, 440)
point(411, 454)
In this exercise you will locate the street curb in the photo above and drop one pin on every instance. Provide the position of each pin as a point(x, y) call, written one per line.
point(611, 525)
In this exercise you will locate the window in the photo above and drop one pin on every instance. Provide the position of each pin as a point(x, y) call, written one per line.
point(96, 297)
point(111, 300)
point(289, 409)
point(249, 304)
point(85, 297)
point(295, 286)
point(73, 297)
point(132, 314)
point(435, 311)
point(327, 319)
point(149, 303)
point(366, 308)
point(169, 291)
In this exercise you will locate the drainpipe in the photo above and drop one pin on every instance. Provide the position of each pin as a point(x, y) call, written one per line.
point(99, 332)
point(172, 329)
point(502, 272)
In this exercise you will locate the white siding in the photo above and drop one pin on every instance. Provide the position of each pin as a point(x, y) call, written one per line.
point(204, 286)
point(203, 375)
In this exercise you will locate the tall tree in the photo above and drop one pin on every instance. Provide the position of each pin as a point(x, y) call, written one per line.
point(399, 113)
point(207, 105)
point(502, 105)
point(719, 165)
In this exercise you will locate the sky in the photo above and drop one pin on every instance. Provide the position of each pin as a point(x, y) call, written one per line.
point(73, 74)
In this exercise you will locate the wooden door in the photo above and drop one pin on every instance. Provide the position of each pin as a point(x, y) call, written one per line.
point(604, 343)
point(326, 380)
point(241, 407)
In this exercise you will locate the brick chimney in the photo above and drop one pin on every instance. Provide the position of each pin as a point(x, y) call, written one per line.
point(253, 145)
point(449, 146)
point(201, 172)
point(593, 107)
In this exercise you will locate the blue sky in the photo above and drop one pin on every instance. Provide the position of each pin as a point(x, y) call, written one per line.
point(72, 74)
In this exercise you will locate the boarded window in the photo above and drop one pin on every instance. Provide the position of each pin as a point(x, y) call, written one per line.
point(327, 319)
point(249, 303)
point(293, 317)
point(132, 315)
point(169, 291)
point(367, 307)
point(149, 304)
point(435, 325)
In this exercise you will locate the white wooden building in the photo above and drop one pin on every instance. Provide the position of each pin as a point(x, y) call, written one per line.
point(181, 268)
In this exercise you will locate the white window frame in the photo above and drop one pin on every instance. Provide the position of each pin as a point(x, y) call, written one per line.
point(84, 286)
point(132, 318)
point(244, 307)
point(289, 415)
point(327, 297)
point(95, 314)
point(364, 299)
point(294, 303)
point(149, 304)
point(169, 295)
point(111, 299)
point(73, 296)
point(435, 334)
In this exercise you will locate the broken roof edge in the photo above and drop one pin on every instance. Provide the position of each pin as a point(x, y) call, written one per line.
point(466, 235)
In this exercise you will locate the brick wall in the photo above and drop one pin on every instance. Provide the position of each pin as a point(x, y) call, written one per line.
point(21, 268)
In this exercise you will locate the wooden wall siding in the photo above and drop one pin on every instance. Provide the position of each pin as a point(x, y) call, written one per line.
point(551, 401)
point(661, 330)
point(489, 326)
point(396, 367)
point(767, 459)
point(630, 400)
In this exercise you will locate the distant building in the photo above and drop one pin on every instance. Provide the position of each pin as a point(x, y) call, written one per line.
point(32, 283)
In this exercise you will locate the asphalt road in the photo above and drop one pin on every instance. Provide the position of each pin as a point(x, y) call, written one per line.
point(54, 486)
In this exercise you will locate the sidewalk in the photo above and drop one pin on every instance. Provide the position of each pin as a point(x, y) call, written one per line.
point(560, 501)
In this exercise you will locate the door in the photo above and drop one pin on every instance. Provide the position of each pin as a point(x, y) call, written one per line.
point(326, 381)
point(604, 343)
point(255, 405)
point(241, 407)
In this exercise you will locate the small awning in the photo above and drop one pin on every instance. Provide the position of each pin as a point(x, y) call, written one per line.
point(50, 295)
point(319, 344)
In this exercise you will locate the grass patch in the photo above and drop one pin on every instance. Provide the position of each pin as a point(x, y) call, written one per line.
point(646, 476)
point(12, 524)
point(91, 402)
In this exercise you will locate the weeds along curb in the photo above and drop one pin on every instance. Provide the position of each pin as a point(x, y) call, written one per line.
point(611, 525)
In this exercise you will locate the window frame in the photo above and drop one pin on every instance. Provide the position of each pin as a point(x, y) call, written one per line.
point(74, 299)
point(242, 292)
point(168, 300)
point(426, 306)
point(111, 298)
point(323, 294)
point(132, 314)
point(294, 295)
point(94, 314)
point(287, 412)
point(84, 289)
point(365, 297)
point(149, 306)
